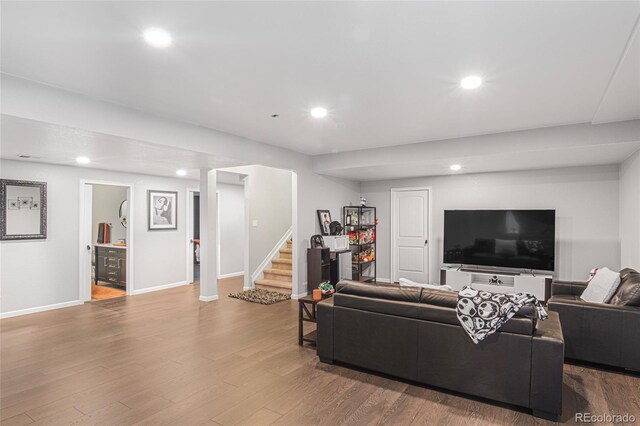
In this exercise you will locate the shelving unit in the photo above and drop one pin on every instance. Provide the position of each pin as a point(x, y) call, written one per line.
point(360, 226)
point(318, 267)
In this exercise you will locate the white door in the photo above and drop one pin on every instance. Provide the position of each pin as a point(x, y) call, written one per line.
point(410, 235)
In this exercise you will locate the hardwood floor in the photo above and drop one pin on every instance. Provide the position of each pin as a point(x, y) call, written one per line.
point(166, 358)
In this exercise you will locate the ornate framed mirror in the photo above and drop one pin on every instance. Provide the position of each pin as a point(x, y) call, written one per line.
point(23, 210)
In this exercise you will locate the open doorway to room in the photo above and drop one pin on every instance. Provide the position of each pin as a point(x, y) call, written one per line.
point(105, 246)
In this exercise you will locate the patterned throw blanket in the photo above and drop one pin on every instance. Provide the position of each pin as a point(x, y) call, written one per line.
point(481, 313)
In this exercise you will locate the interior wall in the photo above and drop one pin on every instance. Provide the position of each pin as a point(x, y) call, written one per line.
point(270, 209)
point(106, 208)
point(232, 224)
point(77, 111)
point(630, 212)
point(585, 199)
point(46, 272)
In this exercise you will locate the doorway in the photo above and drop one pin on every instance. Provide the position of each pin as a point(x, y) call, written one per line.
point(193, 235)
point(106, 243)
point(410, 234)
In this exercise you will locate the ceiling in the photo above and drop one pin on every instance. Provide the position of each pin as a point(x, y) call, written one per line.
point(533, 160)
point(55, 144)
point(387, 72)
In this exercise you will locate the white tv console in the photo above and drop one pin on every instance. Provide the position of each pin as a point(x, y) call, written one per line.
point(498, 282)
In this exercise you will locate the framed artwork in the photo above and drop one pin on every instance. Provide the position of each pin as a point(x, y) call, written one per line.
point(23, 210)
point(162, 210)
point(324, 217)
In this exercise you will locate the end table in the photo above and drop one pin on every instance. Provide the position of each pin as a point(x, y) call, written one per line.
point(307, 313)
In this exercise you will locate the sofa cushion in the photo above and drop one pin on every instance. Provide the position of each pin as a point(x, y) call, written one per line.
point(628, 293)
point(404, 294)
point(422, 311)
point(448, 299)
point(602, 286)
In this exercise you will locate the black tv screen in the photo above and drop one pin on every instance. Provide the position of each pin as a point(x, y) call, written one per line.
point(501, 238)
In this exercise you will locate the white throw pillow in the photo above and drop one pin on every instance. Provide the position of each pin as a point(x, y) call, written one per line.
point(602, 286)
point(408, 283)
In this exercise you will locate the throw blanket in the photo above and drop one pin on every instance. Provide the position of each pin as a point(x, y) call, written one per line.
point(481, 313)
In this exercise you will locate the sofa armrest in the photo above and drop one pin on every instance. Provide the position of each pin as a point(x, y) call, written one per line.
point(547, 361)
point(324, 333)
point(569, 288)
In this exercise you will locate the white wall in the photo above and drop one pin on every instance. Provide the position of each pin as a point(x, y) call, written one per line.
point(106, 208)
point(232, 225)
point(30, 100)
point(630, 212)
point(41, 273)
point(585, 199)
point(270, 204)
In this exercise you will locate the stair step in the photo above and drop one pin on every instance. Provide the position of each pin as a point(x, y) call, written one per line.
point(274, 285)
point(286, 253)
point(278, 274)
point(289, 243)
point(281, 263)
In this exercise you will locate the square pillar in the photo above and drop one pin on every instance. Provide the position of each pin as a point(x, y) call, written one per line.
point(208, 237)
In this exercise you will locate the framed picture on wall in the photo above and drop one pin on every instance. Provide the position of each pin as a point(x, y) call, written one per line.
point(23, 210)
point(324, 217)
point(163, 210)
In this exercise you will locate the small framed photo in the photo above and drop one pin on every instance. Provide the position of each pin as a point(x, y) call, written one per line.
point(324, 217)
point(163, 210)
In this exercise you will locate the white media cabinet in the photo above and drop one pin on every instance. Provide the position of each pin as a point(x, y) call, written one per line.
point(499, 282)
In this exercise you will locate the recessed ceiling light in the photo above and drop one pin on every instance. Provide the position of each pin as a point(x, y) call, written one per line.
point(275, 115)
point(181, 172)
point(83, 160)
point(319, 112)
point(455, 167)
point(157, 37)
point(471, 82)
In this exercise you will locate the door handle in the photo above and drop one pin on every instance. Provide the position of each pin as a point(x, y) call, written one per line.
point(426, 242)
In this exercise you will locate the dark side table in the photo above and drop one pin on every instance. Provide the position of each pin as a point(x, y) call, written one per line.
point(307, 313)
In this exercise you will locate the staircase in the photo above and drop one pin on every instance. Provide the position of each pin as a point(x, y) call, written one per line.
point(280, 276)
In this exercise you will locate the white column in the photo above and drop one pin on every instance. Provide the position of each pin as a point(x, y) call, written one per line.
point(208, 246)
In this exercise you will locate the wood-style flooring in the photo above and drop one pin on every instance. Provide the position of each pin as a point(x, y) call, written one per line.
point(166, 358)
point(101, 292)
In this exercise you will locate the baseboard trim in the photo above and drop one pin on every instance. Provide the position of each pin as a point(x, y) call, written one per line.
point(298, 296)
point(158, 288)
point(383, 280)
point(208, 298)
point(40, 309)
point(231, 275)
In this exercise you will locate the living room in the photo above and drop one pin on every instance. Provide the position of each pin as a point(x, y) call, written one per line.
point(407, 213)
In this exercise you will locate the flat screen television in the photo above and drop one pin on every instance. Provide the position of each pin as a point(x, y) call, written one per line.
point(522, 239)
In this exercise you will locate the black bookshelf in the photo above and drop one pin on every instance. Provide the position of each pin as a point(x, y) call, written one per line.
point(360, 225)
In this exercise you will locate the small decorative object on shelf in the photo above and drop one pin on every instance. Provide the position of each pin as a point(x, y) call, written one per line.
point(360, 227)
point(363, 201)
point(317, 294)
point(326, 288)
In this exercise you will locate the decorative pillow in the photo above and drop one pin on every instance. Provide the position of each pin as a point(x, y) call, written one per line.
point(408, 283)
point(602, 286)
point(628, 293)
